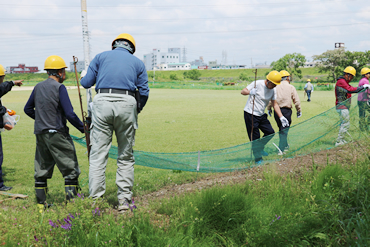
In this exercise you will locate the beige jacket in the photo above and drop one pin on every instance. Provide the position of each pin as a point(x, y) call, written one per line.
point(285, 93)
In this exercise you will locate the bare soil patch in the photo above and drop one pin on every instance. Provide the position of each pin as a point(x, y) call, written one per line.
point(297, 166)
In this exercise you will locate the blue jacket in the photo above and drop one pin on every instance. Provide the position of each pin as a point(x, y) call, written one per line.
point(117, 69)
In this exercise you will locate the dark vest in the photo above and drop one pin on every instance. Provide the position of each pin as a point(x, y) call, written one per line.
point(49, 114)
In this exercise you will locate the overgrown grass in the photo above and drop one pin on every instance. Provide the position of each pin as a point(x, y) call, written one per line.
point(321, 207)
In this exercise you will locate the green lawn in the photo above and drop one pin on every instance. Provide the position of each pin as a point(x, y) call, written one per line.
point(173, 121)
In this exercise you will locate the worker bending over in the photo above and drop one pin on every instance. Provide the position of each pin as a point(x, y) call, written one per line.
point(261, 93)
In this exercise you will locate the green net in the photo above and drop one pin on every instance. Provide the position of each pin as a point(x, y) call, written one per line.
point(313, 135)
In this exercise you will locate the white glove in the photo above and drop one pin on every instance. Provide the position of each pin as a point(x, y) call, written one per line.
point(253, 92)
point(269, 112)
point(366, 86)
point(299, 114)
point(83, 73)
point(284, 122)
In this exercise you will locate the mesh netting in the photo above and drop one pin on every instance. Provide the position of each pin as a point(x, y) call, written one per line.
point(313, 135)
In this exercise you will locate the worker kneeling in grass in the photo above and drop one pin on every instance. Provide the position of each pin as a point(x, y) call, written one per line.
point(261, 92)
point(5, 86)
point(343, 93)
point(49, 105)
point(285, 94)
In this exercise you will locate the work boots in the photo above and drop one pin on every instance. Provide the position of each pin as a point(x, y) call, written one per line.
point(41, 188)
point(71, 187)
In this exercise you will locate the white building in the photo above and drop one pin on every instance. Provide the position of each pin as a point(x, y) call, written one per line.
point(80, 65)
point(160, 56)
point(173, 66)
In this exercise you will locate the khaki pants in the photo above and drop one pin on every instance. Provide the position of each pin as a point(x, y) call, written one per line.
point(118, 113)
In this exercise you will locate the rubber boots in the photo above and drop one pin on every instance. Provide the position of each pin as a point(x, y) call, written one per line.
point(71, 187)
point(41, 188)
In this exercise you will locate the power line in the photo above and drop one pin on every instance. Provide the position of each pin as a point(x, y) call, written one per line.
point(182, 6)
point(177, 19)
point(191, 32)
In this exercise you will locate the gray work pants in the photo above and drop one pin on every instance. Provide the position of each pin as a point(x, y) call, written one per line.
point(344, 125)
point(118, 113)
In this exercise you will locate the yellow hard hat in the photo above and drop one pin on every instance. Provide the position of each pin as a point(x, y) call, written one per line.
point(284, 73)
point(350, 70)
point(2, 70)
point(309, 80)
point(364, 71)
point(128, 37)
point(274, 77)
point(54, 62)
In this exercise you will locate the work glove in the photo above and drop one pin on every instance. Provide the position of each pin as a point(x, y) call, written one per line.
point(253, 92)
point(284, 122)
point(366, 86)
point(83, 73)
point(299, 114)
point(269, 112)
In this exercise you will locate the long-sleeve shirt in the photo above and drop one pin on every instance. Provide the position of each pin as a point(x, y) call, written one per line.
point(285, 93)
point(5, 87)
point(343, 92)
point(65, 104)
point(363, 96)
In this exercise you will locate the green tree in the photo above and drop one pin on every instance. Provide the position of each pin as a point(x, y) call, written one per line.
point(173, 77)
point(335, 61)
point(331, 62)
point(291, 63)
point(243, 76)
point(193, 74)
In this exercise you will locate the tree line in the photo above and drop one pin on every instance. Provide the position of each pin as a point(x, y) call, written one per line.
point(332, 62)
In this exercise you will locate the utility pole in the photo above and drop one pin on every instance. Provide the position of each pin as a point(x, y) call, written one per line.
point(85, 36)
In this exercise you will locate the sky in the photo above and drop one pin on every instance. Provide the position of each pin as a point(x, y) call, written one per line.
point(250, 31)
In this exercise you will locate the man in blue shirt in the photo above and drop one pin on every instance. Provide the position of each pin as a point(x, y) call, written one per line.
point(49, 105)
point(117, 75)
point(308, 88)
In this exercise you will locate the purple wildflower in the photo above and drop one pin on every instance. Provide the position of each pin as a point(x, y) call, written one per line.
point(36, 239)
point(67, 226)
point(52, 224)
point(71, 216)
point(278, 218)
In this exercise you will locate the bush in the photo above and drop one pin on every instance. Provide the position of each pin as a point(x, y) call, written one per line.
point(243, 76)
point(173, 77)
point(193, 74)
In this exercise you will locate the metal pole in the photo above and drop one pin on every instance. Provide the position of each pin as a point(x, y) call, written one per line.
point(255, 82)
point(86, 45)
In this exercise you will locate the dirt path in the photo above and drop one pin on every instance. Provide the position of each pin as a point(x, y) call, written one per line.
point(296, 166)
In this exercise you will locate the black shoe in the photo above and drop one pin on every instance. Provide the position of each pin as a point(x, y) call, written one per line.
point(5, 188)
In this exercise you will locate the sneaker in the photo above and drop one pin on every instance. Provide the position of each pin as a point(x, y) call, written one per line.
point(5, 188)
point(259, 162)
point(340, 143)
point(123, 205)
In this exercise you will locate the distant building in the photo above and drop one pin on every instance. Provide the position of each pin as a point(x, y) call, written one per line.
point(202, 67)
point(229, 67)
point(198, 62)
point(173, 66)
point(160, 56)
point(80, 65)
point(309, 64)
point(262, 66)
point(21, 69)
point(212, 63)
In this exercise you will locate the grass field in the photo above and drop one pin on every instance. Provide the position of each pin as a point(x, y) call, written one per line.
point(172, 121)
